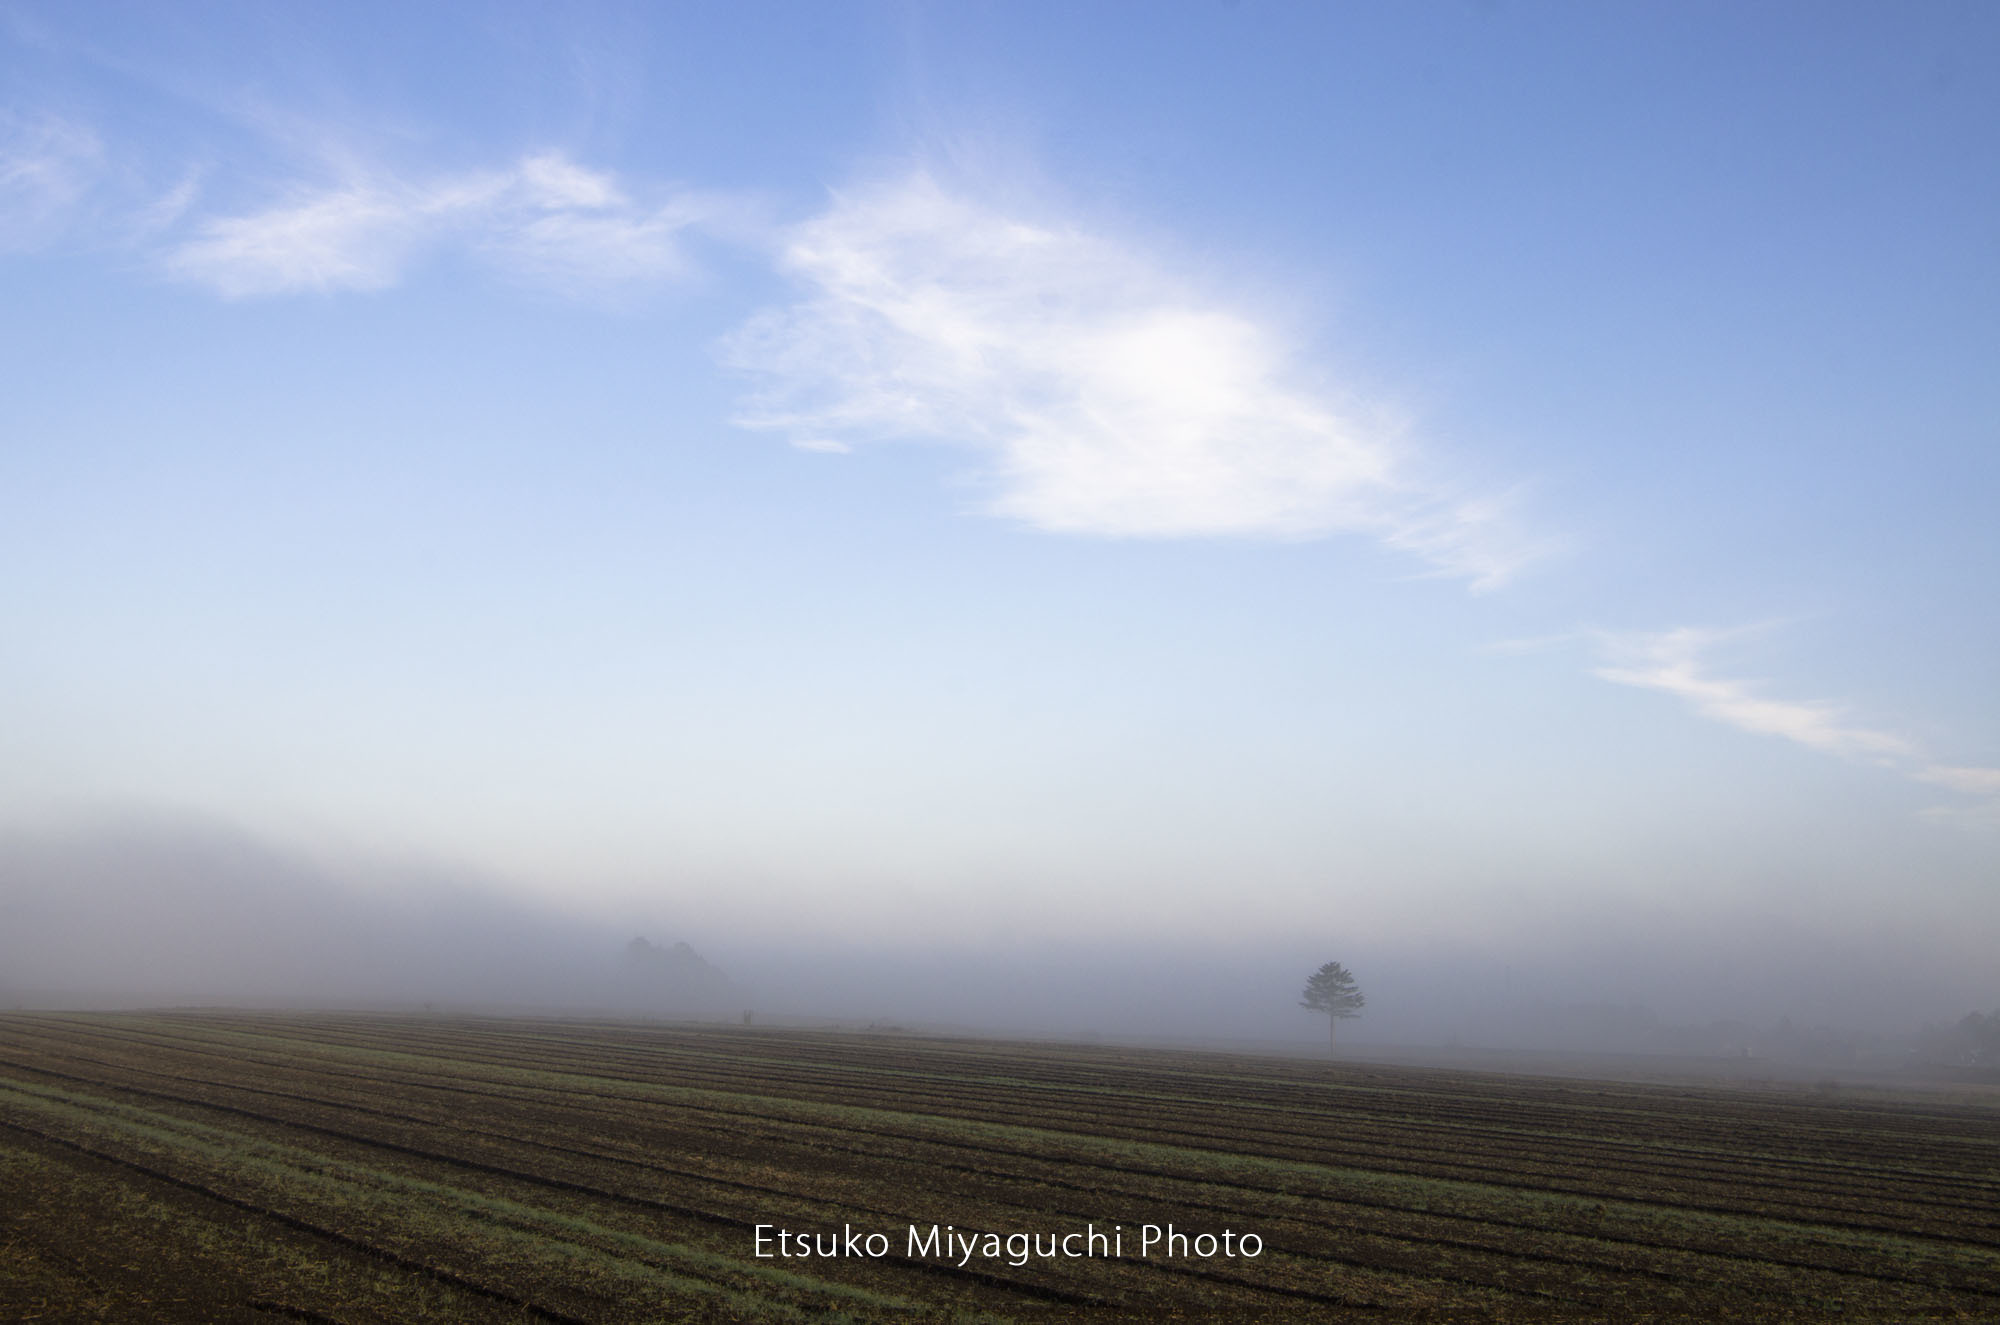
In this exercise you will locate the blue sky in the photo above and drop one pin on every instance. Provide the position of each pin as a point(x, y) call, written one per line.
point(1278, 476)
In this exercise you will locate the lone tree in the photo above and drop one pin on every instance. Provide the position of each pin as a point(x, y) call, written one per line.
point(1331, 990)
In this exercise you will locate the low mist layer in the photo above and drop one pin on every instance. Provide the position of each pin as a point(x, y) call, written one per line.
point(146, 912)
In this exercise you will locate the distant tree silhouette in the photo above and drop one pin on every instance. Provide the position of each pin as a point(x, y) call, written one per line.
point(1332, 990)
point(660, 980)
point(1978, 1040)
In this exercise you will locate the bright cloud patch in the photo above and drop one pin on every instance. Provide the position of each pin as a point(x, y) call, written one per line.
point(546, 219)
point(1105, 398)
point(1673, 661)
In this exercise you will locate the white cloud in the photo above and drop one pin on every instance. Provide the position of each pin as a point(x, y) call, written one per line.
point(358, 237)
point(47, 165)
point(825, 445)
point(166, 209)
point(575, 248)
point(552, 181)
point(1673, 661)
point(545, 219)
point(1103, 396)
point(1971, 781)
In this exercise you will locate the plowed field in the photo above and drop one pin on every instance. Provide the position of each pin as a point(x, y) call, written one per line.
point(374, 1168)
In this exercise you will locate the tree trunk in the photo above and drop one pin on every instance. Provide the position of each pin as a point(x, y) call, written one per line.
point(1332, 1025)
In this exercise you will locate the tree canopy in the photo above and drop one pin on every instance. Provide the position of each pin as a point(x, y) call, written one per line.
point(1332, 990)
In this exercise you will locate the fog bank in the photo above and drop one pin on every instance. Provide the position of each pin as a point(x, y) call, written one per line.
point(149, 912)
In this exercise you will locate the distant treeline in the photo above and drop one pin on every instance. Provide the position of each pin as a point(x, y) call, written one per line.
point(1973, 1041)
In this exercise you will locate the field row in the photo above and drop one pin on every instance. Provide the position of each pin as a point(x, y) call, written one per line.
point(609, 1172)
point(1840, 1170)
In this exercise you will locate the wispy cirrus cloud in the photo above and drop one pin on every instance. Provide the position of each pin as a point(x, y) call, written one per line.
point(1675, 661)
point(544, 219)
point(1971, 781)
point(1983, 784)
point(47, 165)
point(358, 236)
point(1103, 396)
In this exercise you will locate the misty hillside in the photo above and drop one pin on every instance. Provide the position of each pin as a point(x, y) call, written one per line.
point(155, 912)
